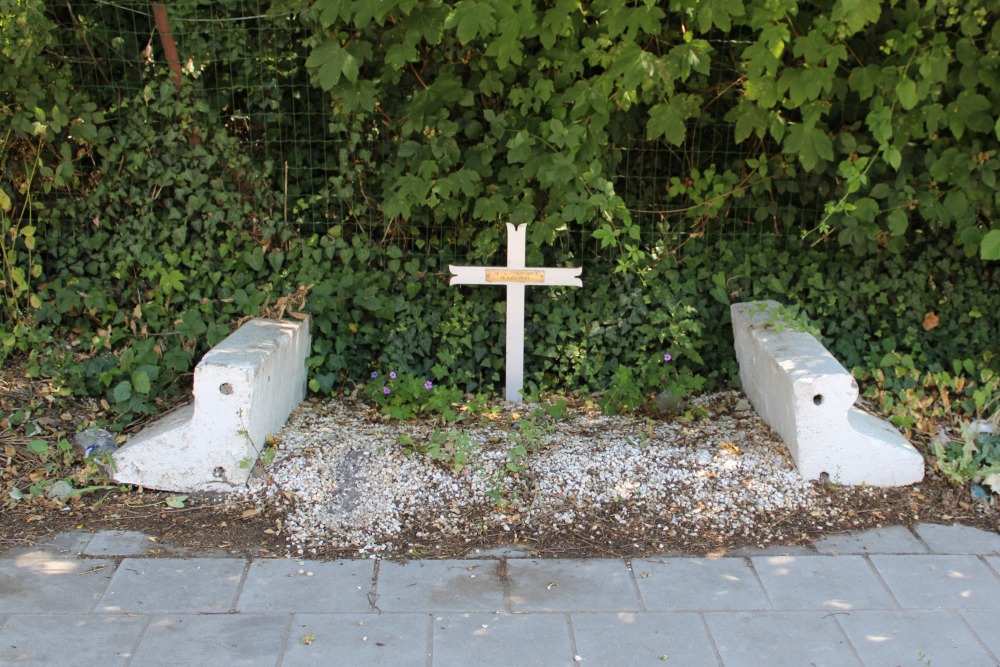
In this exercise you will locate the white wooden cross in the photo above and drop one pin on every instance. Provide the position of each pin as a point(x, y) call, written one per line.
point(516, 277)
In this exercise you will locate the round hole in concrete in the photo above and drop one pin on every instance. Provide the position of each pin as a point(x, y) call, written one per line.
point(219, 473)
point(226, 389)
point(818, 399)
point(824, 477)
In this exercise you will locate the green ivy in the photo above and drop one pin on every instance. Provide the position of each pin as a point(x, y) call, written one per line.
point(141, 222)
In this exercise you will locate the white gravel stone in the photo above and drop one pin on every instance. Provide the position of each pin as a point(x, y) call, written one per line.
point(342, 478)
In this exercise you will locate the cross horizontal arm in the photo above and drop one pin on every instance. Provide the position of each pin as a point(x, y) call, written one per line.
point(501, 275)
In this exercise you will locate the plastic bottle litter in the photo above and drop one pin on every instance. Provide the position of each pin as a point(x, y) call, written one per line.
point(95, 442)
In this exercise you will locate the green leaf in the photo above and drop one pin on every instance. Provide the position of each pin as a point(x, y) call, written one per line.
point(172, 281)
point(893, 157)
point(718, 13)
point(176, 502)
point(122, 391)
point(39, 447)
point(749, 119)
point(906, 92)
point(856, 14)
point(5, 200)
point(333, 62)
point(997, 128)
point(898, 222)
point(969, 110)
point(470, 19)
point(140, 382)
point(668, 120)
point(989, 247)
point(809, 143)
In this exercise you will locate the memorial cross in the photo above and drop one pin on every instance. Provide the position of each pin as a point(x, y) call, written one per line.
point(516, 277)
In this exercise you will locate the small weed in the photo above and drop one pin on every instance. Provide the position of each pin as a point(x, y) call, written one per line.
point(974, 459)
point(528, 435)
point(403, 396)
point(451, 448)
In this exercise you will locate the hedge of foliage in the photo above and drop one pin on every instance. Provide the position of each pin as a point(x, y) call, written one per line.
point(138, 228)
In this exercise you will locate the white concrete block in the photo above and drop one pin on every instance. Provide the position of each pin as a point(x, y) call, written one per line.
point(244, 389)
point(807, 397)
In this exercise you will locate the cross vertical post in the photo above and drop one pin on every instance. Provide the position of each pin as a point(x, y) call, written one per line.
point(515, 276)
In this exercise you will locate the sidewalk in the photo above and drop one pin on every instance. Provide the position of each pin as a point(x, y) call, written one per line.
point(930, 596)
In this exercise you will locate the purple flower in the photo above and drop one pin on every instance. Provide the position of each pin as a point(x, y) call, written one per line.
point(392, 375)
point(374, 374)
point(667, 357)
point(386, 390)
point(428, 385)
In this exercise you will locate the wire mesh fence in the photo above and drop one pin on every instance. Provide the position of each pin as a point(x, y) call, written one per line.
point(247, 58)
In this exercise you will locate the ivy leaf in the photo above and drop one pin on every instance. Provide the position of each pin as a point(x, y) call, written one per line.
point(122, 391)
point(810, 143)
point(471, 18)
point(140, 382)
point(997, 128)
point(989, 247)
point(172, 281)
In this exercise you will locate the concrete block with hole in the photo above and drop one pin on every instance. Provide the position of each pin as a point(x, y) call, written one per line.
point(807, 397)
point(244, 389)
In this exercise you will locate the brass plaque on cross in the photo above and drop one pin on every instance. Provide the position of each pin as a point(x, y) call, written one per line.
point(514, 276)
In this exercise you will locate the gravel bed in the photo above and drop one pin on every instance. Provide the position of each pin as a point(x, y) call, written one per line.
point(345, 484)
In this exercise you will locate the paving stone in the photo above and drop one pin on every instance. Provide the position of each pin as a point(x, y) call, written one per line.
point(888, 540)
point(276, 585)
point(698, 583)
point(939, 582)
point(838, 583)
point(774, 550)
point(173, 585)
point(913, 638)
point(571, 585)
point(442, 585)
point(501, 552)
point(958, 539)
point(383, 640)
point(632, 640)
point(40, 582)
point(69, 641)
point(64, 545)
point(986, 624)
point(120, 543)
point(766, 639)
point(234, 640)
point(503, 640)
point(134, 543)
point(994, 562)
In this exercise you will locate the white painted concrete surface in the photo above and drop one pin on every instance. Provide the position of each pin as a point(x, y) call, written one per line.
point(807, 397)
point(244, 389)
